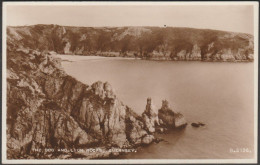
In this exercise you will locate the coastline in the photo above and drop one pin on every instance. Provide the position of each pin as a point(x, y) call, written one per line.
point(128, 131)
point(75, 58)
point(66, 101)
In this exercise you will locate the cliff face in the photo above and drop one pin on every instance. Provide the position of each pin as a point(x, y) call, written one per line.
point(46, 108)
point(144, 42)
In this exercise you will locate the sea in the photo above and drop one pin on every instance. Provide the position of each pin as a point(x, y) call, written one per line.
point(219, 94)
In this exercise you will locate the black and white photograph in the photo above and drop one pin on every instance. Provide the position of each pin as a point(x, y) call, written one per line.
point(129, 82)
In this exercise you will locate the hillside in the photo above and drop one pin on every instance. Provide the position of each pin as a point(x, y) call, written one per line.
point(145, 42)
point(46, 108)
point(50, 113)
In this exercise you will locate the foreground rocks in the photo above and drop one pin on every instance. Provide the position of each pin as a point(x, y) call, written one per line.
point(46, 108)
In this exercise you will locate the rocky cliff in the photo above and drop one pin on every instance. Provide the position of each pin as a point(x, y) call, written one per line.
point(144, 42)
point(50, 113)
point(49, 109)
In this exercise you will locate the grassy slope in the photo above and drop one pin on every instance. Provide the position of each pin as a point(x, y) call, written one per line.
point(140, 41)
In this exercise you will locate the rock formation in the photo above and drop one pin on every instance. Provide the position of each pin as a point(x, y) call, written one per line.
point(150, 117)
point(152, 43)
point(46, 108)
point(168, 118)
point(198, 124)
point(164, 119)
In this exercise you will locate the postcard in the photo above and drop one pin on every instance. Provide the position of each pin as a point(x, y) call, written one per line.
point(129, 82)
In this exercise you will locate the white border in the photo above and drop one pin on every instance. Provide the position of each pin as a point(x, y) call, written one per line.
point(133, 161)
point(256, 54)
point(126, 3)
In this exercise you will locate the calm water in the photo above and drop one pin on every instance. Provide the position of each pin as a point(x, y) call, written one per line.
point(218, 94)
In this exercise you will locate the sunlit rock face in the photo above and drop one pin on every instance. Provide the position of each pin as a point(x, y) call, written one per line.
point(150, 116)
point(46, 108)
point(170, 119)
point(152, 43)
point(162, 119)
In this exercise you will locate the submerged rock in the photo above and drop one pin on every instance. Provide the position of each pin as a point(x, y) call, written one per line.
point(195, 124)
point(201, 124)
point(198, 124)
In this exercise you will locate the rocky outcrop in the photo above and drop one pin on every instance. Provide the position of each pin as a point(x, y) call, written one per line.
point(170, 119)
point(164, 119)
point(198, 124)
point(46, 108)
point(153, 43)
point(150, 117)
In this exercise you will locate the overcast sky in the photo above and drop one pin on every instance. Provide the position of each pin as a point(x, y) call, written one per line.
point(235, 18)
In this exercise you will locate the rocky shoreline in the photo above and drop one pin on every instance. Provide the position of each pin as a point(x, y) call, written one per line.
point(66, 59)
point(149, 43)
point(47, 109)
point(50, 114)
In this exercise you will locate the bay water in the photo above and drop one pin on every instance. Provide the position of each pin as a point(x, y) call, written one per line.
point(219, 94)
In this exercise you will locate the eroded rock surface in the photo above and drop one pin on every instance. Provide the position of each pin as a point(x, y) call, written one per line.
point(46, 108)
point(150, 116)
point(163, 119)
point(169, 118)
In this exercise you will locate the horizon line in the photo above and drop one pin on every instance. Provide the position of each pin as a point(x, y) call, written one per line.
point(27, 25)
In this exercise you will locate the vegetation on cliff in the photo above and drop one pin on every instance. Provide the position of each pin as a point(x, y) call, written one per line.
point(48, 109)
point(145, 42)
